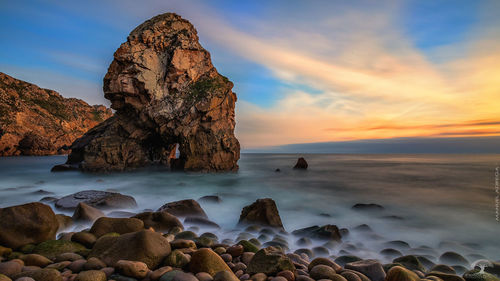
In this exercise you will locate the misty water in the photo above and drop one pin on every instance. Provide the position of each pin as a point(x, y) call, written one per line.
point(445, 202)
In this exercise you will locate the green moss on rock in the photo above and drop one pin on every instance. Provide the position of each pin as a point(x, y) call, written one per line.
point(53, 248)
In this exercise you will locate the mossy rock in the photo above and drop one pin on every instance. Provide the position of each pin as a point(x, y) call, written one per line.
point(476, 275)
point(176, 259)
point(52, 248)
point(15, 255)
point(203, 242)
point(5, 252)
point(189, 235)
point(410, 262)
point(248, 246)
point(111, 234)
point(27, 249)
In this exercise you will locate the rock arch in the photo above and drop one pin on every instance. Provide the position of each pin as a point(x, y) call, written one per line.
point(165, 91)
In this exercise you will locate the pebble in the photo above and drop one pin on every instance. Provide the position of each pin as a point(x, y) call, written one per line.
point(135, 269)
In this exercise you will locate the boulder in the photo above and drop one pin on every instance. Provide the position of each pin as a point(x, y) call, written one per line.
point(261, 212)
point(144, 246)
point(184, 208)
point(30, 223)
point(269, 261)
point(98, 199)
point(398, 273)
point(324, 261)
point(159, 221)
point(167, 97)
point(326, 232)
point(106, 225)
point(301, 164)
point(206, 260)
point(371, 268)
point(86, 213)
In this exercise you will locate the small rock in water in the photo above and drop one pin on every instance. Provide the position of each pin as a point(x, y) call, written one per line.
point(277, 170)
point(453, 258)
point(201, 222)
point(371, 268)
point(301, 164)
point(210, 199)
point(159, 221)
point(261, 212)
point(367, 207)
point(97, 199)
point(86, 213)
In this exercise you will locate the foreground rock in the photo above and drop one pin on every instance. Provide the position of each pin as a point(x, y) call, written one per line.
point(98, 199)
point(144, 246)
point(269, 261)
point(261, 212)
point(166, 94)
point(36, 121)
point(29, 223)
point(184, 208)
point(206, 260)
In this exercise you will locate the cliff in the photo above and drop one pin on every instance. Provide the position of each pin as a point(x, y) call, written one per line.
point(167, 96)
point(36, 121)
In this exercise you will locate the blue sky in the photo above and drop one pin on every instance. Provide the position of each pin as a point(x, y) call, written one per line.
point(304, 71)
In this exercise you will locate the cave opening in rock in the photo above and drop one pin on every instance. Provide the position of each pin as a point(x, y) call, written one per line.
point(175, 159)
point(175, 152)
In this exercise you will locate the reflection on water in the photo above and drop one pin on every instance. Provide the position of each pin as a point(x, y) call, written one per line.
point(439, 197)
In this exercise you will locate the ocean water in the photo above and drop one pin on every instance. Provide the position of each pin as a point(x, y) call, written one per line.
point(445, 202)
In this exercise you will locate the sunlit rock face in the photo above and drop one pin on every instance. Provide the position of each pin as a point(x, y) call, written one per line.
point(166, 94)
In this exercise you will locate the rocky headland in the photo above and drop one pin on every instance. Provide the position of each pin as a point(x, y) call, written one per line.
point(168, 97)
point(36, 121)
point(99, 243)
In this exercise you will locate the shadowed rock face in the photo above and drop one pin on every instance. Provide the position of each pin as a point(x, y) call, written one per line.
point(167, 95)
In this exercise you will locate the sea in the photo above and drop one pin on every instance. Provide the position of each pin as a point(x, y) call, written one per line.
point(433, 202)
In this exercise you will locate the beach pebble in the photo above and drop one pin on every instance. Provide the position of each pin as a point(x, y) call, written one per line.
point(86, 213)
point(155, 275)
point(322, 272)
point(135, 269)
point(410, 262)
point(36, 260)
point(91, 275)
point(453, 258)
point(206, 260)
point(94, 264)
point(399, 273)
point(324, 261)
point(85, 238)
point(371, 268)
point(225, 276)
point(12, 267)
point(203, 276)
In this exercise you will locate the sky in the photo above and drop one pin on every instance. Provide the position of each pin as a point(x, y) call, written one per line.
point(304, 71)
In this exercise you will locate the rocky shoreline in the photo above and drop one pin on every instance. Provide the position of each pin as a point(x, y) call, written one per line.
point(156, 245)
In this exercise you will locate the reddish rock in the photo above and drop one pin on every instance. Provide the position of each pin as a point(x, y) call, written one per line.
point(36, 121)
point(166, 94)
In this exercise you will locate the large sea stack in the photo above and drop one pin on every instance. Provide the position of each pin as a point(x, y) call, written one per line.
point(167, 95)
point(36, 121)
